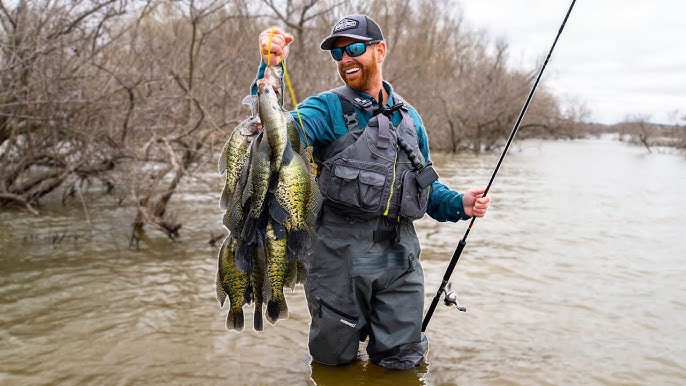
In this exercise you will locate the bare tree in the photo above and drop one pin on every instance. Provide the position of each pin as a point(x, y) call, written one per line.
point(639, 130)
point(136, 96)
point(49, 126)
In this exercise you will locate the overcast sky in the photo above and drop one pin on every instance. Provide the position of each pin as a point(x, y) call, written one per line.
point(621, 58)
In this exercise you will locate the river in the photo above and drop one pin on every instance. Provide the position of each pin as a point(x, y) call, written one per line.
point(575, 276)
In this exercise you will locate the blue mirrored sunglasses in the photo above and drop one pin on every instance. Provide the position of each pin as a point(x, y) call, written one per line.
point(353, 50)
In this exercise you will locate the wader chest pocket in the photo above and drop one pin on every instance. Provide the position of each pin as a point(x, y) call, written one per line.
point(414, 199)
point(357, 184)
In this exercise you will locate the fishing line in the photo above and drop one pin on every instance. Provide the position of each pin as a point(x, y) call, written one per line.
point(450, 297)
point(291, 92)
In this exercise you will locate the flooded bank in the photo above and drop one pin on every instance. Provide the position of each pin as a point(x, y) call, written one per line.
point(574, 277)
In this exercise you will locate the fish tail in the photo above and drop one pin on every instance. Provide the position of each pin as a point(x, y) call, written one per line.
point(235, 319)
point(291, 274)
point(296, 244)
point(258, 322)
point(277, 309)
point(301, 273)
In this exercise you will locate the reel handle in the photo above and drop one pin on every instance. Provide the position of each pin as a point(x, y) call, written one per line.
point(450, 299)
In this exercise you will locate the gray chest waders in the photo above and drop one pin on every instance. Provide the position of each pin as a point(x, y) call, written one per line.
point(364, 277)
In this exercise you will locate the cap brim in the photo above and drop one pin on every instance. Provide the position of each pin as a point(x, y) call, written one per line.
point(327, 44)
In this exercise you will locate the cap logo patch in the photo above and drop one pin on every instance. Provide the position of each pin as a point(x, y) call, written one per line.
point(345, 24)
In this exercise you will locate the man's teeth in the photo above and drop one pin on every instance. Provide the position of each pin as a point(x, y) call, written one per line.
point(352, 70)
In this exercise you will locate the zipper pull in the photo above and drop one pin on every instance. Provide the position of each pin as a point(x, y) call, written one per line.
point(411, 261)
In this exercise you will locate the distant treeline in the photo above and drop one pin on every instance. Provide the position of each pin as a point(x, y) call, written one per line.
point(639, 130)
point(137, 95)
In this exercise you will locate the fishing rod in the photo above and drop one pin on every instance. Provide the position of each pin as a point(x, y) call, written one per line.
point(450, 296)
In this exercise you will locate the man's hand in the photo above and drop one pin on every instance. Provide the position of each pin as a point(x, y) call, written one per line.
point(274, 45)
point(474, 203)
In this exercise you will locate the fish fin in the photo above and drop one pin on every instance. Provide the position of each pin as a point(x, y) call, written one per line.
point(235, 319)
point(293, 134)
point(254, 228)
point(258, 321)
point(288, 153)
point(221, 164)
point(242, 188)
point(233, 219)
point(219, 288)
point(314, 200)
point(277, 212)
point(249, 233)
point(225, 197)
point(247, 173)
point(277, 309)
point(221, 294)
point(279, 230)
point(291, 275)
point(248, 295)
point(244, 257)
point(251, 100)
point(301, 275)
point(226, 220)
point(296, 244)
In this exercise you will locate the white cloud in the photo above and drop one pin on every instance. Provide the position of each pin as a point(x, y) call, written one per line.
point(621, 58)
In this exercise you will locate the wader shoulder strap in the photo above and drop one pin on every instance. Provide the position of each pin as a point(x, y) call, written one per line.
point(349, 100)
point(405, 112)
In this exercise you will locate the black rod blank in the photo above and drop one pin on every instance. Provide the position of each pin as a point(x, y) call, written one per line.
point(463, 241)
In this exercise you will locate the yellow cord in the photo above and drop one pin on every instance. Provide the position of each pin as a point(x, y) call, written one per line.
point(313, 165)
point(295, 102)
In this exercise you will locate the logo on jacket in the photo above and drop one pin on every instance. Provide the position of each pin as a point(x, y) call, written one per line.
point(344, 25)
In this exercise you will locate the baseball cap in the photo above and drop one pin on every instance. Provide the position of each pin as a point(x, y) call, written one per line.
point(359, 27)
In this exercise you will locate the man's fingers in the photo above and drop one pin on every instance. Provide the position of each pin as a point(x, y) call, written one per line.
point(288, 38)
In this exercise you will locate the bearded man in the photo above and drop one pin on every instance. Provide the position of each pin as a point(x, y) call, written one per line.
point(365, 277)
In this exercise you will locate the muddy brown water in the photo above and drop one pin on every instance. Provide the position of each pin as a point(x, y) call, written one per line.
point(576, 276)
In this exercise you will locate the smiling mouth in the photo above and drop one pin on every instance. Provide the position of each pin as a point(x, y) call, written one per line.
point(352, 70)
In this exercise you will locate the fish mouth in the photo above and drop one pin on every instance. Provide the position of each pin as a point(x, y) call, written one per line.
point(267, 86)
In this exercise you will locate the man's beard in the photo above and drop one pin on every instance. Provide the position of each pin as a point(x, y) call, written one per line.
point(366, 81)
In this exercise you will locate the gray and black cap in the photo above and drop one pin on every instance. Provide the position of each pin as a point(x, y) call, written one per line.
point(359, 27)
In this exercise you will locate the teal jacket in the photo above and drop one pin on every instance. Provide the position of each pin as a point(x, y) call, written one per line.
point(322, 116)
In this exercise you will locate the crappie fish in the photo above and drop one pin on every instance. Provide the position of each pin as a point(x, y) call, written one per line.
point(271, 200)
point(272, 115)
point(235, 154)
point(257, 283)
point(232, 282)
point(275, 250)
point(295, 206)
point(255, 193)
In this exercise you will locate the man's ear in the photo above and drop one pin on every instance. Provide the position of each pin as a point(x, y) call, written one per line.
point(381, 47)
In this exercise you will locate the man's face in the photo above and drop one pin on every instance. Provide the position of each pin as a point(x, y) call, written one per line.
point(362, 73)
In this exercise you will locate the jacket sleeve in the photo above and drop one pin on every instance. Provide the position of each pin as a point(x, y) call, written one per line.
point(260, 75)
point(445, 204)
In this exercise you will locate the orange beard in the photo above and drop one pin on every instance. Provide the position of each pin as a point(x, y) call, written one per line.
point(364, 81)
